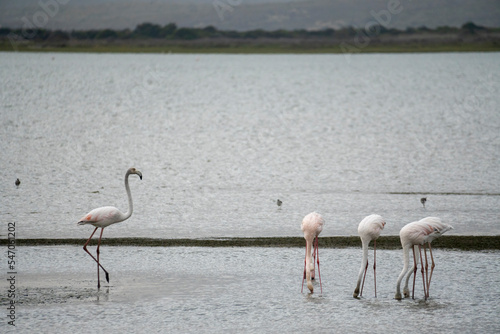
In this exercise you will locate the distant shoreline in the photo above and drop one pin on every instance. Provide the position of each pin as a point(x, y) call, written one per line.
point(251, 49)
point(457, 242)
point(150, 38)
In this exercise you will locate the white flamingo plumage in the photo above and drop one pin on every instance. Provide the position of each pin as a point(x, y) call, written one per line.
point(414, 235)
point(105, 216)
point(312, 225)
point(369, 229)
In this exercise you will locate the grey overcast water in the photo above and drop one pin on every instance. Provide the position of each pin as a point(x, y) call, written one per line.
point(219, 138)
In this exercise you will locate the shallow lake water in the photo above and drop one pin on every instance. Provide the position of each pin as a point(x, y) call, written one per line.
point(246, 290)
point(219, 138)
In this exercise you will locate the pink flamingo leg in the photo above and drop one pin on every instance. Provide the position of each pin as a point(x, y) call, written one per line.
point(422, 270)
point(432, 268)
point(426, 271)
point(304, 277)
point(92, 256)
point(313, 274)
point(363, 284)
point(317, 259)
point(414, 273)
point(374, 266)
point(98, 264)
point(314, 254)
point(374, 270)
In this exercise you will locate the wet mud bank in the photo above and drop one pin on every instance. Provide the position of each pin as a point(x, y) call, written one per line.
point(467, 243)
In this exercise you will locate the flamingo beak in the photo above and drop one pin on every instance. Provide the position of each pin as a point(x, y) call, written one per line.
point(140, 174)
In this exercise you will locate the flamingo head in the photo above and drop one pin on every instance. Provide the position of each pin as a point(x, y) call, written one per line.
point(135, 171)
point(310, 286)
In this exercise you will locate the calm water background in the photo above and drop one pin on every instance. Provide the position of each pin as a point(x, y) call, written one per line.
point(219, 138)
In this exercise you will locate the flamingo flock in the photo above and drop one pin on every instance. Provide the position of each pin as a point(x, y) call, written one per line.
point(414, 236)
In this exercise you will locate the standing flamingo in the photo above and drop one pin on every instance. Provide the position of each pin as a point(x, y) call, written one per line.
point(105, 216)
point(312, 225)
point(369, 229)
point(413, 235)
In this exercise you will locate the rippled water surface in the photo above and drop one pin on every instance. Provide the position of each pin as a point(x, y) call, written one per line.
point(219, 138)
point(246, 290)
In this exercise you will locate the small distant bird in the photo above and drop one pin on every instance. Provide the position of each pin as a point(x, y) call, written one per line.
point(312, 225)
point(18, 182)
point(369, 229)
point(279, 202)
point(415, 235)
point(105, 216)
point(423, 200)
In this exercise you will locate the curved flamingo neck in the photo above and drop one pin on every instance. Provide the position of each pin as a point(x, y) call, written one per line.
point(309, 243)
point(130, 204)
point(308, 252)
point(364, 261)
point(406, 264)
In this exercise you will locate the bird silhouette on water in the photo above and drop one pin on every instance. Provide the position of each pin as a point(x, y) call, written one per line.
point(18, 182)
point(423, 200)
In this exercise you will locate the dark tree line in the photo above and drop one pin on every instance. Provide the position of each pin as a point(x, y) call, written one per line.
point(171, 31)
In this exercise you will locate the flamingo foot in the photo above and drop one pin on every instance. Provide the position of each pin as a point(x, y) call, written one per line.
point(356, 293)
point(107, 277)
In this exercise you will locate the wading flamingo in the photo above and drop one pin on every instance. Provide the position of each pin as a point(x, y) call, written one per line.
point(415, 235)
point(105, 216)
point(369, 229)
point(312, 225)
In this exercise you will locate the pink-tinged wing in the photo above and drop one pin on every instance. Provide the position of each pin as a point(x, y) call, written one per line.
point(371, 226)
point(106, 214)
point(424, 230)
point(433, 228)
point(412, 234)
